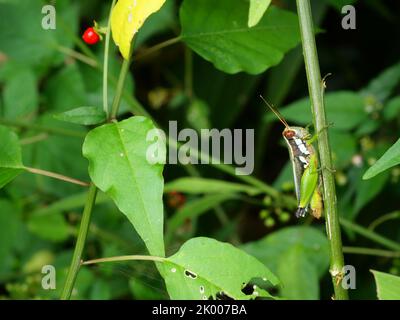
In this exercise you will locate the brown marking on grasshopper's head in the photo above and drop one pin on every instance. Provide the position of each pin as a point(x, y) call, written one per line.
point(295, 132)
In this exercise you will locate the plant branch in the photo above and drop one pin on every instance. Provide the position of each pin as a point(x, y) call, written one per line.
point(372, 252)
point(157, 47)
point(369, 234)
point(56, 176)
point(124, 258)
point(120, 87)
point(387, 217)
point(316, 89)
point(105, 62)
point(35, 127)
point(80, 244)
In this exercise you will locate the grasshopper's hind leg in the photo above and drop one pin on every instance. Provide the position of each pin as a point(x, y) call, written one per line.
point(316, 203)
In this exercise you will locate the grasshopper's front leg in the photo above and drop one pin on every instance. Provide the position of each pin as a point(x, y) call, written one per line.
point(309, 190)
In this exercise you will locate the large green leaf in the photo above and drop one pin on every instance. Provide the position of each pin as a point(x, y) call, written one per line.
point(195, 185)
point(257, 10)
point(118, 166)
point(291, 251)
point(345, 110)
point(388, 286)
point(390, 159)
point(10, 156)
point(218, 31)
point(204, 267)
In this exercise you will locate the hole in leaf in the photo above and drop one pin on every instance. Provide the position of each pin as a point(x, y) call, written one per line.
point(190, 274)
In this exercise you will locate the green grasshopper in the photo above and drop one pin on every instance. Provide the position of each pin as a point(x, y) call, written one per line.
point(305, 167)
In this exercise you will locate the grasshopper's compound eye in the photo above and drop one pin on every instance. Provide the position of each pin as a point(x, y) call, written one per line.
point(289, 134)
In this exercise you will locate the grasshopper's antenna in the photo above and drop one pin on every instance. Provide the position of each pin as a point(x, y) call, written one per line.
point(276, 112)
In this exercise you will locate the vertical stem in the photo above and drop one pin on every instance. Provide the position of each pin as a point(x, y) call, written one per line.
point(80, 244)
point(316, 89)
point(105, 64)
point(120, 87)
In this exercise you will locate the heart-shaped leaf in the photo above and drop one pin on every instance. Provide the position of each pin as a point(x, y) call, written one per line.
point(119, 166)
point(205, 268)
point(218, 31)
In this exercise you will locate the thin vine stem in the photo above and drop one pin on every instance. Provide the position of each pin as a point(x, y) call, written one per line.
point(56, 176)
point(80, 244)
point(316, 90)
point(371, 252)
point(371, 235)
point(105, 62)
point(120, 87)
point(124, 258)
point(157, 47)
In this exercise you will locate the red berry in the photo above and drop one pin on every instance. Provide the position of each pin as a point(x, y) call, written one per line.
point(90, 36)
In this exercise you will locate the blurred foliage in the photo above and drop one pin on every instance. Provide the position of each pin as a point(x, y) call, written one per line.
point(204, 81)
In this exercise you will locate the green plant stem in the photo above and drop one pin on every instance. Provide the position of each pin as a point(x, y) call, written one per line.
point(157, 47)
point(124, 258)
point(80, 244)
point(35, 127)
point(120, 87)
point(371, 252)
point(105, 62)
point(56, 176)
point(316, 89)
point(390, 244)
point(387, 217)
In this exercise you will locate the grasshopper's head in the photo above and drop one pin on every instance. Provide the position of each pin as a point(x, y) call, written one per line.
point(289, 132)
point(295, 132)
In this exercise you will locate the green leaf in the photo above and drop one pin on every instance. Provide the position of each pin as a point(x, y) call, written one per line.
point(298, 274)
point(388, 286)
point(119, 167)
point(383, 85)
point(83, 115)
point(392, 108)
point(291, 251)
point(194, 185)
point(10, 225)
point(20, 94)
point(218, 31)
point(56, 154)
point(51, 227)
point(204, 267)
point(390, 159)
point(345, 109)
point(28, 42)
point(66, 88)
point(10, 156)
point(257, 10)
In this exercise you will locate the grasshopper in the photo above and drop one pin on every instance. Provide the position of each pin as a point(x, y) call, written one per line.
point(305, 167)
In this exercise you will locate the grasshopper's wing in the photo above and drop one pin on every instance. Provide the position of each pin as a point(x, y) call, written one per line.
point(298, 170)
